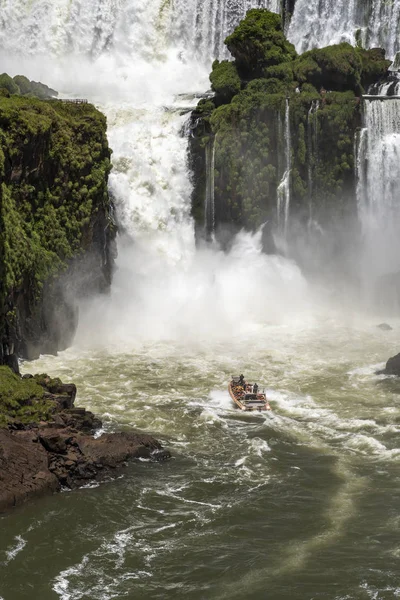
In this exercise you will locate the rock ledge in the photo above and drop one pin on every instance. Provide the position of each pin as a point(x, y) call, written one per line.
point(39, 458)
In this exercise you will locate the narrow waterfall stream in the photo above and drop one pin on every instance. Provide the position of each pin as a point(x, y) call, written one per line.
point(283, 192)
point(378, 196)
point(209, 204)
point(301, 503)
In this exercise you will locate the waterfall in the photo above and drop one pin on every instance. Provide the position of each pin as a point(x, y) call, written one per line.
point(209, 204)
point(283, 191)
point(150, 29)
point(378, 166)
point(317, 23)
point(312, 153)
point(205, 24)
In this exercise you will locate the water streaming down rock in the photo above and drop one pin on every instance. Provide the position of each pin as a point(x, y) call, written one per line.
point(283, 192)
point(203, 25)
point(209, 204)
point(378, 192)
point(139, 61)
point(312, 154)
point(316, 23)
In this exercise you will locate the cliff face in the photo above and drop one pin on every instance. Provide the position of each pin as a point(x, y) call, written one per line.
point(283, 129)
point(56, 227)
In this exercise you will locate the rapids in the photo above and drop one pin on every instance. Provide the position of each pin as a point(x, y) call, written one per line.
point(299, 504)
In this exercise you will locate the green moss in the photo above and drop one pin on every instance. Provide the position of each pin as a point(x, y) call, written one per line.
point(335, 67)
point(374, 66)
point(225, 81)
point(321, 86)
point(258, 43)
point(56, 163)
point(22, 399)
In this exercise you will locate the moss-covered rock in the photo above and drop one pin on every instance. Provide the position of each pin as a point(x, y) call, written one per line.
point(225, 81)
point(258, 43)
point(54, 209)
point(374, 66)
point(341, 67)
point(320, 89)
point(22, 399)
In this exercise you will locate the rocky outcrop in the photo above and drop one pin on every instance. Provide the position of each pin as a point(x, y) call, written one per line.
point(56, 226)
point(265, 94)
point(392, 366)
point(43, 459)
point(43, 456)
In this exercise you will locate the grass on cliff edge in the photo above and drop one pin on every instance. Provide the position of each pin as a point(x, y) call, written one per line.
point(22, 399)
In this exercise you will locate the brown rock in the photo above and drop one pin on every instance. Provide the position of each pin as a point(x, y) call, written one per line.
point(23, 469)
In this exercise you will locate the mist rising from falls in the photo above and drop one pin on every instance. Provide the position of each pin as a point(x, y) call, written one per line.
point(378, 197)
point(144, 64)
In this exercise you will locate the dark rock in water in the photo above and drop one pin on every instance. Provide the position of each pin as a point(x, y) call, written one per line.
point(56, 448)
point(385, 327)
point(44, 459)
point(392, 366)
point(11, 360)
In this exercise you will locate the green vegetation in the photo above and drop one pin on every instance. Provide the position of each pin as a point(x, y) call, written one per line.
point(55, 161)
point(258, 42)
point(7, 83)
point(247, 123)
point(23, 399)
point(225, 81)
point(54, 166)
point(20, 85)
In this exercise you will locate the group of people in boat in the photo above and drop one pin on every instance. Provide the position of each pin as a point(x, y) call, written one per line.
point(247, 387)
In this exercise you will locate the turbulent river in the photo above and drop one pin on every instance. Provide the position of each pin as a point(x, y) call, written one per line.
point(301, 503)
point(298, 503)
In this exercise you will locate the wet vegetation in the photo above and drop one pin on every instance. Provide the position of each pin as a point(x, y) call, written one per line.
point(54, 166)
point(23, 400)
point(246, 124)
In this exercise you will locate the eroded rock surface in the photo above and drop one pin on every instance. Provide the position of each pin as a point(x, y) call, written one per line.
point(40, 458)
point(392, 366)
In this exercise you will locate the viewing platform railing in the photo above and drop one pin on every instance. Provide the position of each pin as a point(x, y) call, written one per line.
point(74, 100)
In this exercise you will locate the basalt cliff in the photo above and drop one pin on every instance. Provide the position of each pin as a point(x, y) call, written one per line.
point(56, 225)
point(279, 136)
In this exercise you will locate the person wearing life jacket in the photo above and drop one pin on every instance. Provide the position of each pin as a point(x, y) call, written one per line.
point(255, 388)
point(241, 380)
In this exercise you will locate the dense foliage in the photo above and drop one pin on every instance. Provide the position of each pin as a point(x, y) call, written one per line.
point(258, 43)
point(246, 124)
point(22, 399)
point(21, 85)
point(54, 165)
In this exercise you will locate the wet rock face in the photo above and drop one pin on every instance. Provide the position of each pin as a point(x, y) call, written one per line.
point(392, 366)
point(385, 327)
point(57, 228)
point(42, 460)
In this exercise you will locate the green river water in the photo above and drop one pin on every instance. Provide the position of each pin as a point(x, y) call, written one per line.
point(300, 503)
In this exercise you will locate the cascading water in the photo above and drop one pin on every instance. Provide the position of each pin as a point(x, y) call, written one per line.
point(249, 504)
point(312, 145)
point(378, 196)
point(283, 191)
point(209, 204)
point(317, 23)
point(205, 25)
